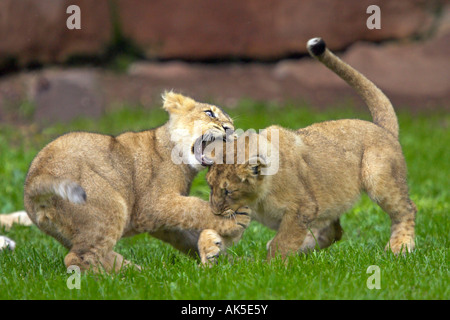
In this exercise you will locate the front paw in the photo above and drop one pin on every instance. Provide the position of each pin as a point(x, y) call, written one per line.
point(243, 217)
point(239, 220)
point(210, 246)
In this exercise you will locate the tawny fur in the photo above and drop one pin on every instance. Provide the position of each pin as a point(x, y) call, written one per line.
point(322, 171)
point(89, 190)
point(211, 244)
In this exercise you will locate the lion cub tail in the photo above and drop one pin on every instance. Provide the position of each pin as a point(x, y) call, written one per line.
point(380, 107)
point(44, 186)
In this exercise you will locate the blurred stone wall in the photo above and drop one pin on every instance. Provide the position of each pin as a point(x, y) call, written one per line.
point(35, 30)
point(407, 57)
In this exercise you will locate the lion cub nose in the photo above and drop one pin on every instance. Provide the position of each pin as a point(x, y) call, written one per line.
point(228, 131)
point(227, 128)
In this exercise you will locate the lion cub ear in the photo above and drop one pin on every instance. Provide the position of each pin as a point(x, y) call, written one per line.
point(177, 103)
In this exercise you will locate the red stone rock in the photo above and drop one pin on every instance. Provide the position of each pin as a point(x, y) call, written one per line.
point(35, 31)
point(415, 76)
point(262, 29)
point(63, 95)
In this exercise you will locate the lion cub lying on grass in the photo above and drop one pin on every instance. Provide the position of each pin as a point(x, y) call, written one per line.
point(318, 172)
point(89, 190)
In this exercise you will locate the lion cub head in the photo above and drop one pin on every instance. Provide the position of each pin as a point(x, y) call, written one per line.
point(192, 126)
point(237, 178)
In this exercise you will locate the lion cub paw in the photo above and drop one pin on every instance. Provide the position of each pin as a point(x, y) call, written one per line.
point(210, 246)
point(242, 218)
point(400, 246)
point(6, 243)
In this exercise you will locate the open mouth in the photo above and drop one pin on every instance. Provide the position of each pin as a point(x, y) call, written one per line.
point(200, 145)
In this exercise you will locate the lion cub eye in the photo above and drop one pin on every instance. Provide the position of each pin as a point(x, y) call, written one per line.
point(209, 113)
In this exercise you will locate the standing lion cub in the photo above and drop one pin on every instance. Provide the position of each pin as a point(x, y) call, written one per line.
point(320, 172)
point(89, 190)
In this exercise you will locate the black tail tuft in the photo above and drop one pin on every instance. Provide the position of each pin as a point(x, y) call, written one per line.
point(316, 46)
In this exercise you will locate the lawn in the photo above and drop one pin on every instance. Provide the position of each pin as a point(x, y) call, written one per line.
point(35, 270)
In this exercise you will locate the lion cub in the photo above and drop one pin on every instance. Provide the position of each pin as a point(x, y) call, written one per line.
point(318, 172)
point(89, 190)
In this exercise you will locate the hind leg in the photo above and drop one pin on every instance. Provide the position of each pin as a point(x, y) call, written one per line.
point(402, 212)
point(93, 261)
point(90, 231)
point(385, 182)
point(92, 245)
point(95, 258)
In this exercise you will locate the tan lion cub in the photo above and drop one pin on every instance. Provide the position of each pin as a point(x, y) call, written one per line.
point(320, 172)
point(89, 190)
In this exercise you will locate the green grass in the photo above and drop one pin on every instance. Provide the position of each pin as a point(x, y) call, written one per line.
point(35, 270)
